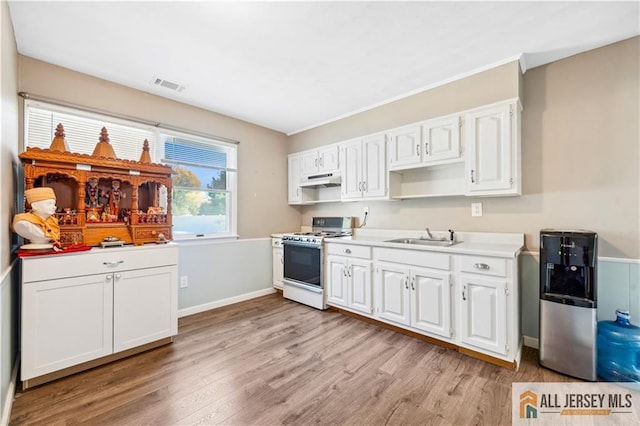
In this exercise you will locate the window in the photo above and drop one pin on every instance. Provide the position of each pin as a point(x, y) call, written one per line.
point(203, 201)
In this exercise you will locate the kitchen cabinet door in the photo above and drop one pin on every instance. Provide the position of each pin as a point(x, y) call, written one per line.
point(144, 306)
point(431, 301)
point(329, 159)
point(490, 145)
point(405, 147)
point(65, 322)
point(337, 292)
point(441, 139)
point(352, 172)
point(278, 263)
point(294, 177)
point(360, 285)
point(484, 313)
point(393, 302)
point(374, 170)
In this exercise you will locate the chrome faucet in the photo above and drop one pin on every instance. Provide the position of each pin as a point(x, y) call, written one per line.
point(429, 234)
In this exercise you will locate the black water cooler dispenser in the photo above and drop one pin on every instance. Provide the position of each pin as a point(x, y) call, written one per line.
point(568, 289)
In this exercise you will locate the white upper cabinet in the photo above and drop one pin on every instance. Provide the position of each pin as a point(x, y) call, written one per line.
point(363, 168)
point(428, 143)
point(492, 135)
point(473, 153)
point(441, 139)
point(295, 169)
point(322, 160)
point(405, 147)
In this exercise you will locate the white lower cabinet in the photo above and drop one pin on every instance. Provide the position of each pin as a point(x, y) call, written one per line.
point(277, 258)
point(483, 310)
point(142, 301)
point(65, 322)
point(71, 316)
point(414, 296)
point(468, 300)
point(349, 279)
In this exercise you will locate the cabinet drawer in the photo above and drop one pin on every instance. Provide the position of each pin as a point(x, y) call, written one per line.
point(349, 250)
point(484, 265)
point(97, 261)
point(415, 257)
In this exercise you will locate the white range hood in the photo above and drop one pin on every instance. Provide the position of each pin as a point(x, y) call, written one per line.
point(322, 181)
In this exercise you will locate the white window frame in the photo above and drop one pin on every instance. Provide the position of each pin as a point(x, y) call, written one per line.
point(157, 151)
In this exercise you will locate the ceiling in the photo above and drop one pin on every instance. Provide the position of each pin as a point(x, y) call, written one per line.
point(291, 66)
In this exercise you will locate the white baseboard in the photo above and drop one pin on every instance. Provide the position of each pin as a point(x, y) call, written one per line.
point(531, 342)
point(223, 302)
point(11, 392)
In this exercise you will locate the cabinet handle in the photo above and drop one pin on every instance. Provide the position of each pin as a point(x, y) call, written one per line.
point(344, 271)
point(113, 263)
point(481, 266)
point(118, 276)
point(348, 251)
point(321, 161)
point(406, 282)
point(426, 148)
point(350, 270)
point(360, 186)
point(109, 277)
point(282, 260)
point(413, 280)
point(364, 186)
point(418, 150)
point(315, 162)
point(472, 178)
point(464, 296)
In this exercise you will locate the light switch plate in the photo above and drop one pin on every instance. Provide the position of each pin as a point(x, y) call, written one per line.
point(476, 209)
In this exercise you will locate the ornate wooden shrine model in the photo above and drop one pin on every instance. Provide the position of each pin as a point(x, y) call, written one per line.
point(101, 197)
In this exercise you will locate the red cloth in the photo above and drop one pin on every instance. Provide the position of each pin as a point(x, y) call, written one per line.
point(67, 249)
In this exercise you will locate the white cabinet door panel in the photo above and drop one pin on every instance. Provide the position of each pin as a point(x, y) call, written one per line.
point(441, 139)
point(352, 170)
point(294, 168)
point(405, 146)
point(394, 297)
point(337, 281)
point(489, 162)
point(431, 307)
point(360, 286)
point(374, 165)
point(484, 313)
point(144, 306)
point(65, 322)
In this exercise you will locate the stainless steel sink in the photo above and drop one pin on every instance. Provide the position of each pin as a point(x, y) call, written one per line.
point(423, 242)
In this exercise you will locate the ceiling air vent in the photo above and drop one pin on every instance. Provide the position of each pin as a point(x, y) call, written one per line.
point(168, 84)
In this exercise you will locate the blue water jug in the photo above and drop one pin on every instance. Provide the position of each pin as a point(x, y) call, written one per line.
point(619, 349)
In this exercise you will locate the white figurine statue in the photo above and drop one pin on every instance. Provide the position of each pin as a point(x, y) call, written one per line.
point(39, 226)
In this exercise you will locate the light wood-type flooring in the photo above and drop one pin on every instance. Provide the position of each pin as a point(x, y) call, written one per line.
point(272, 361)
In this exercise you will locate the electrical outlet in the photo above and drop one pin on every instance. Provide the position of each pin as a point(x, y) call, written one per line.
point(476, 209)
point(366, 210)
point(184, 281)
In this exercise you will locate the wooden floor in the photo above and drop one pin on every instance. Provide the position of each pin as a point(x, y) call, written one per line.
point(272, 361)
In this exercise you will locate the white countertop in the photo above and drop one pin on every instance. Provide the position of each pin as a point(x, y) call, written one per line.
point(478, 243)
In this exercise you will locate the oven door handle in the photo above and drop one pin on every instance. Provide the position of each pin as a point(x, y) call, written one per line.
point(307, 245)
point(304, 287)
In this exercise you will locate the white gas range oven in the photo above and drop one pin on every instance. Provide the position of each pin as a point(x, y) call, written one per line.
point(304, 259)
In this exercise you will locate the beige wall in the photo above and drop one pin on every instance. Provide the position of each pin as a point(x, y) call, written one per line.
point(493, 85)
point(262, 165)
point(8, 134)
point(580, 151)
